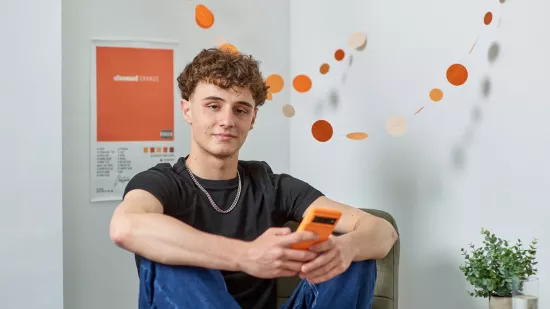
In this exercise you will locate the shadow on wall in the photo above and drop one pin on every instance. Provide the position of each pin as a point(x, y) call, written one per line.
point(459, 152)
point(408, 183)
point(410, 186)
point(332, 100)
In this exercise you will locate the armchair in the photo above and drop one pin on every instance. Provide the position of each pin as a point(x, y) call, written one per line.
point(386, 290)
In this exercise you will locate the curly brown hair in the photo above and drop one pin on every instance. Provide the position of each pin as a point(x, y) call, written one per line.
point(224, 69)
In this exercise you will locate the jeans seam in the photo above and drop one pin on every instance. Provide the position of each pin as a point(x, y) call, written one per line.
point(152, 292)
point(166, 299)
point(315, 293)
point(314, 288)
point(146, 276)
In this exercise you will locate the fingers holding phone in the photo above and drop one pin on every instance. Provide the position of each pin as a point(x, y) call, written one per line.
point(323, 246)
point(270, 255)
point(320, 221)
point(279, 253)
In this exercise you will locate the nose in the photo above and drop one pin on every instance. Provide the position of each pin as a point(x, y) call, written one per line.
point(227, 118)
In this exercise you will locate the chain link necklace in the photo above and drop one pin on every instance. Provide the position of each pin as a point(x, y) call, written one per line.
point(210, 198)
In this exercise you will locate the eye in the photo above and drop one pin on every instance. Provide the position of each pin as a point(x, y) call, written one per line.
point(242, 111)
point(213, 106)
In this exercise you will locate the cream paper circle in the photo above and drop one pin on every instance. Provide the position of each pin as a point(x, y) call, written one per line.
point(288, 110)
point(357, 40)
point(396, 126)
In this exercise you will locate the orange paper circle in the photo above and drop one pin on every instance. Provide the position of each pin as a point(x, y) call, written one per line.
point(457, 74)
point(230, 48)
point(275, 83)
point(436, 94)
point(488, 18)
point(322, 130)
point(325, 67)
point(302, 83)
point(203, 16)
point(339, 55)
point(357, 136)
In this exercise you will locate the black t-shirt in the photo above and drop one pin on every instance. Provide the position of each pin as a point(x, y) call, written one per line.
point(267, 200)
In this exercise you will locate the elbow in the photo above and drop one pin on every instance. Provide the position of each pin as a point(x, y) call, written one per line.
point(391, 238)
point(395, 237)
point(120, 232)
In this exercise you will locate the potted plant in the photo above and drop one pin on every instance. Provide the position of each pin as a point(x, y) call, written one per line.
point(497, 269)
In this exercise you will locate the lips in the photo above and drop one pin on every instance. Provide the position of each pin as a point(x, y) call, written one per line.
point(224, 135)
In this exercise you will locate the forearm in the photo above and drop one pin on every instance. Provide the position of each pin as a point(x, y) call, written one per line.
point(372, 238)
point(166, 240)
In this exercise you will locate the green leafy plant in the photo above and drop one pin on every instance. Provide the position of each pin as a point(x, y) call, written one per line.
point(497, 268)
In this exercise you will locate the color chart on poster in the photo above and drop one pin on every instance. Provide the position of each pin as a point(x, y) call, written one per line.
point(132, 108)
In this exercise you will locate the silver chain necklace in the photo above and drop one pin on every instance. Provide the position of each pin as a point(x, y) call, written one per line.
point(210, 198)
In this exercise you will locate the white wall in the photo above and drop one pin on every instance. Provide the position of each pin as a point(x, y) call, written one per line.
point(97, 274)
point(502, 183)
point(31, 248)
point(502, 180)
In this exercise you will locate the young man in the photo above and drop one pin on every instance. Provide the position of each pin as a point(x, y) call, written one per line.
point(207, 232)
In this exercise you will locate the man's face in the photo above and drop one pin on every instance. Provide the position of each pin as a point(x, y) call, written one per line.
point(220, 119)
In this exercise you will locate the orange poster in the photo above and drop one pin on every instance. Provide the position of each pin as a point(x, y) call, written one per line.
point(132, 112)
point(134, 94)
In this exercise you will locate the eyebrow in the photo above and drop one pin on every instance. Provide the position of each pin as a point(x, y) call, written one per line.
point(215, 98)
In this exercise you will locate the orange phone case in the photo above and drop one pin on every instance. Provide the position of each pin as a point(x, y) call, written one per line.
point(320, 221)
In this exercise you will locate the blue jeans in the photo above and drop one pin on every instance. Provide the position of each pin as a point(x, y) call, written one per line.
point(183, 287)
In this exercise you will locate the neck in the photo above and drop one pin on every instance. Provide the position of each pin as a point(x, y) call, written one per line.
point(212, 168)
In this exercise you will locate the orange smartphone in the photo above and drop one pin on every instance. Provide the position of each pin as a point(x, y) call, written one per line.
point(320, 221)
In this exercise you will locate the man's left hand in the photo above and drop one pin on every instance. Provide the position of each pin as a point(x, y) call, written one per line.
point(337, 255)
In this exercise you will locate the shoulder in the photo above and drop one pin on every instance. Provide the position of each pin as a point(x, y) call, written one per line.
point(262, 171)
point(256, 167)
point(161, 171)
point(160, 178)
point(292, 194)
point(164, 168)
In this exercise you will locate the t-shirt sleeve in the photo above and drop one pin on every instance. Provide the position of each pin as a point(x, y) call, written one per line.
point(158, 183)
point(296, 195)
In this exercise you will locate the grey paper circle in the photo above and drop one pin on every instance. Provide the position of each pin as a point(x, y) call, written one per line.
point(494, 51)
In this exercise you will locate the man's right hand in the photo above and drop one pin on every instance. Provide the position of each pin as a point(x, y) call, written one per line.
point(270, 255)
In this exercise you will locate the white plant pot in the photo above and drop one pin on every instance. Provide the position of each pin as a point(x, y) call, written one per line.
point(500, 302)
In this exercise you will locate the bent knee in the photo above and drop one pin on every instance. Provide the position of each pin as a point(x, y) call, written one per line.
point(367, 267)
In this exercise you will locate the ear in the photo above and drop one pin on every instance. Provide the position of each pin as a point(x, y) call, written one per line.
point(186, 110)
point(254, 118)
